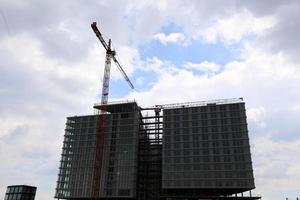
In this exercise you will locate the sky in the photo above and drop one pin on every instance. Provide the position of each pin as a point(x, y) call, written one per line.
point(51, 67)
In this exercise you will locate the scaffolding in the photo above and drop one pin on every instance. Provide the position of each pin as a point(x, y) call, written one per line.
point(150, 155)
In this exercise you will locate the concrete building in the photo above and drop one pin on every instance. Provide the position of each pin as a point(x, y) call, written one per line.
point(20, 192)
point(187, 150)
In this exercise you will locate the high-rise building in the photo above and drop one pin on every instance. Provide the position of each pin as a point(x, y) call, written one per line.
point(20, 192)
point(186, 150)
point(120, 154)
point(206, 150)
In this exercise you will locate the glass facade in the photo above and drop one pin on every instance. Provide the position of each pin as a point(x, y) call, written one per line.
point(20, 192)
point(206, 147)
point(119, 160)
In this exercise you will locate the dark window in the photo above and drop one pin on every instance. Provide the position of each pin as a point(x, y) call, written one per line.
point(213, 115)
point(194, 116)
point(185, 117)
point(204, 136)
point(214, 122)
point(177, 138)
point(196, 137)
point(194, 123)
point(214, 129)
point(195, 130)
point(223, 107)
point(203, 115)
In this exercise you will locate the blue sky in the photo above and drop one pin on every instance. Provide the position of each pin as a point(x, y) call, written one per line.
point(52, 65)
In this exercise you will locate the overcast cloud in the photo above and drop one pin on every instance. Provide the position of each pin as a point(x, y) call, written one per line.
point(51, 67)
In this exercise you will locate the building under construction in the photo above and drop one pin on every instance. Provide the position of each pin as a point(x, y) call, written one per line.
point(197, 150)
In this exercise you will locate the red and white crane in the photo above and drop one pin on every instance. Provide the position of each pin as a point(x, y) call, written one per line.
point(110, 54)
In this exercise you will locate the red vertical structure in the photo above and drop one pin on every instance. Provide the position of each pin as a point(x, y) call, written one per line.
point(110, 54)
point(100, 136)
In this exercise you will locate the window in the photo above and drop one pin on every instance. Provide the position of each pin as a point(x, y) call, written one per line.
point(194, 110)
point(167, 145)
point(167, 160)
point(194, 123)
point(213, 108)
point(176, 160)
point(196, 137)
point(216, 151)
point(186, 160)
point(124, 115)
point(234, 106)
point(206, 158)
point(167, 125)
point(196, 151)
point(185, 138)
point(177, 145)
point(205, 152)
point(194, 116)
point(176, 111)
point(224, 121)
point(234, 114)
point(185, 117)
point(226, 151)
point(203, 109)
point(176, 118)
point(196, 144)
point(177, 152)
point(204, 136)
point(167, 118)
point(214, 129)
point(215, 143)
point(205, 144)
point(185, 124)
point(214, 136)
point(213, 115)
point(225, 143)
point(177, 138)
point(195, 130)
point(224, 136)
point(186, 131)
point(186, 145)
point(227, 159)
point(186, 152)
point(223, 107)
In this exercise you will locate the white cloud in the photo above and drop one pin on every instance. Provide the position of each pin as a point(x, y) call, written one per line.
point(204, 66)
point(237, 26)
point(178, 38)
point(276, 166)
point(257, 115)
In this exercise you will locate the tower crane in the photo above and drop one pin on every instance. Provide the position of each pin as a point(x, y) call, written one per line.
point(110, 55)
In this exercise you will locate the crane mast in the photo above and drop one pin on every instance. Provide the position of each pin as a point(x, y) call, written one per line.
point(110, 55)
point(106, 76)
